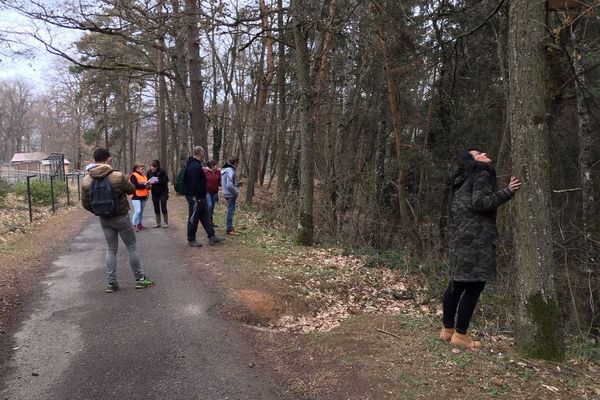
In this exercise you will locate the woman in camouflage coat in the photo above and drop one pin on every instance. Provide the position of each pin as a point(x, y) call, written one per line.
point(474, 199)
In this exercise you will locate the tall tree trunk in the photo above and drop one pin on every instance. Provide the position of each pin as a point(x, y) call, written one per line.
point(305, 232)
point(265, 79)
point(161, 97)
point(105, 121)
point(538, 328)
point(180, 96)
point(281, 90)
point(267, 144)
point(197, 115)
point(586, 160)
point(586, 167)
point(503, 158)
point(405, 216)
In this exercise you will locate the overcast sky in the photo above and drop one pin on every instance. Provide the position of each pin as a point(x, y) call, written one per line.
point(38, 66)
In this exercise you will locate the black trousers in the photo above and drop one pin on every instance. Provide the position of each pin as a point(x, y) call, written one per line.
point(198, 212)
point(460, 300)
point(160, 203)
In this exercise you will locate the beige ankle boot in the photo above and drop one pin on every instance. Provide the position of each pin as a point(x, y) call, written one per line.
point(465, 341)
point(446, 334)
point(166, 219)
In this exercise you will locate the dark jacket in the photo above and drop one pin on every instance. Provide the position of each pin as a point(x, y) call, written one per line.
point(119, 183)
point(162, 185)
point(195, 180)
point(473, 234)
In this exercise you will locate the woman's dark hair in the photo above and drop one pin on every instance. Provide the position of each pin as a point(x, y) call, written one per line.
point(211, 163)
point(466, 165)
point(155, 164)
point(234, 160)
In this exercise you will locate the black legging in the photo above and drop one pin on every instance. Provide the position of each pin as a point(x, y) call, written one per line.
point(160, 203)
point(461, 298)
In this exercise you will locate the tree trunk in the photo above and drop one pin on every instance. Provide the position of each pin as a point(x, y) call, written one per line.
point(538, 328)
point(161, 95)
point(305, 232)
point(265, 79)
point(281, 89)
point(503, 158)
point(586, 160)
point(405, 216)
point(197, 116)
point(180, 97)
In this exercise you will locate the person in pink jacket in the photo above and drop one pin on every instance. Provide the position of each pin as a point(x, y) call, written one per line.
point(213, 182)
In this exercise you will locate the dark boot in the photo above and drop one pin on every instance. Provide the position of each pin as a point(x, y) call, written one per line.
point(166, 219)
point(157, 221)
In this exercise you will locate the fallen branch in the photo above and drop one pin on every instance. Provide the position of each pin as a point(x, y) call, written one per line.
point(566, 190)
point(389, 333)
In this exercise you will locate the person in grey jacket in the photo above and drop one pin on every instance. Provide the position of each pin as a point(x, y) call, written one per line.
point(116, 225)
point(474, 199)
point(230, 191)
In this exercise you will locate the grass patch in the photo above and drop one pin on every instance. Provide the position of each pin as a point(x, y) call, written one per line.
point(583, 349)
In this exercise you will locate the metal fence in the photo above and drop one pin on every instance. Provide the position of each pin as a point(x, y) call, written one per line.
point(70, 192)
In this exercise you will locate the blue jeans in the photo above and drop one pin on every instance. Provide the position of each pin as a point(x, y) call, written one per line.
point(230, 212)
point(113, 227)
point(138, 211)
point(211, 200)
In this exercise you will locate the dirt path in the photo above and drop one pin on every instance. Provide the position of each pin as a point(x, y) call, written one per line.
point(74, 341)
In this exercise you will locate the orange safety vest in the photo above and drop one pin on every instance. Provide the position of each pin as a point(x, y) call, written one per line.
point(141, 179)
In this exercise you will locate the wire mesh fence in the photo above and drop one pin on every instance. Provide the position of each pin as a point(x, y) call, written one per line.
point(39, 192)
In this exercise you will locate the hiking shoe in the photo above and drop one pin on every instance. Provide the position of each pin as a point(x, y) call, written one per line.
point(214, 239)
point(232, 233)
point(143, 283)
point(112, 287)
point(193, 243)
point(446, 334)
point(465, 341)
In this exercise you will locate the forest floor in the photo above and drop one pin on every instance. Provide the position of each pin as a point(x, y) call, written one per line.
point(331, 324)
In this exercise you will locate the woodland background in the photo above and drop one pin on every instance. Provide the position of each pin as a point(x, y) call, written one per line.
point(349, 113)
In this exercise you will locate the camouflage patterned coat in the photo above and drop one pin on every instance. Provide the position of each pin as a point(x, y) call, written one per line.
point(473, 232)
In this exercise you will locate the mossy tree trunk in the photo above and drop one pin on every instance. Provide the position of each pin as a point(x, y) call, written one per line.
point(307, 128)
point(538, 321)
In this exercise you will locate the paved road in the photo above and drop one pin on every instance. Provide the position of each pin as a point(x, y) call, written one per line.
point(78, 342)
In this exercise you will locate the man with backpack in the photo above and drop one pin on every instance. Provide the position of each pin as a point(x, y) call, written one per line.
point(104, 193)
point(194, 188)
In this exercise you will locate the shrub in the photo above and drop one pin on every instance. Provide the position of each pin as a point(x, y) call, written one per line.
point(5, 188)
point(40, 191)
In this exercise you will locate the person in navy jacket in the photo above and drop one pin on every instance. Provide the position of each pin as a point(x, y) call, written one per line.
point(195, 194)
